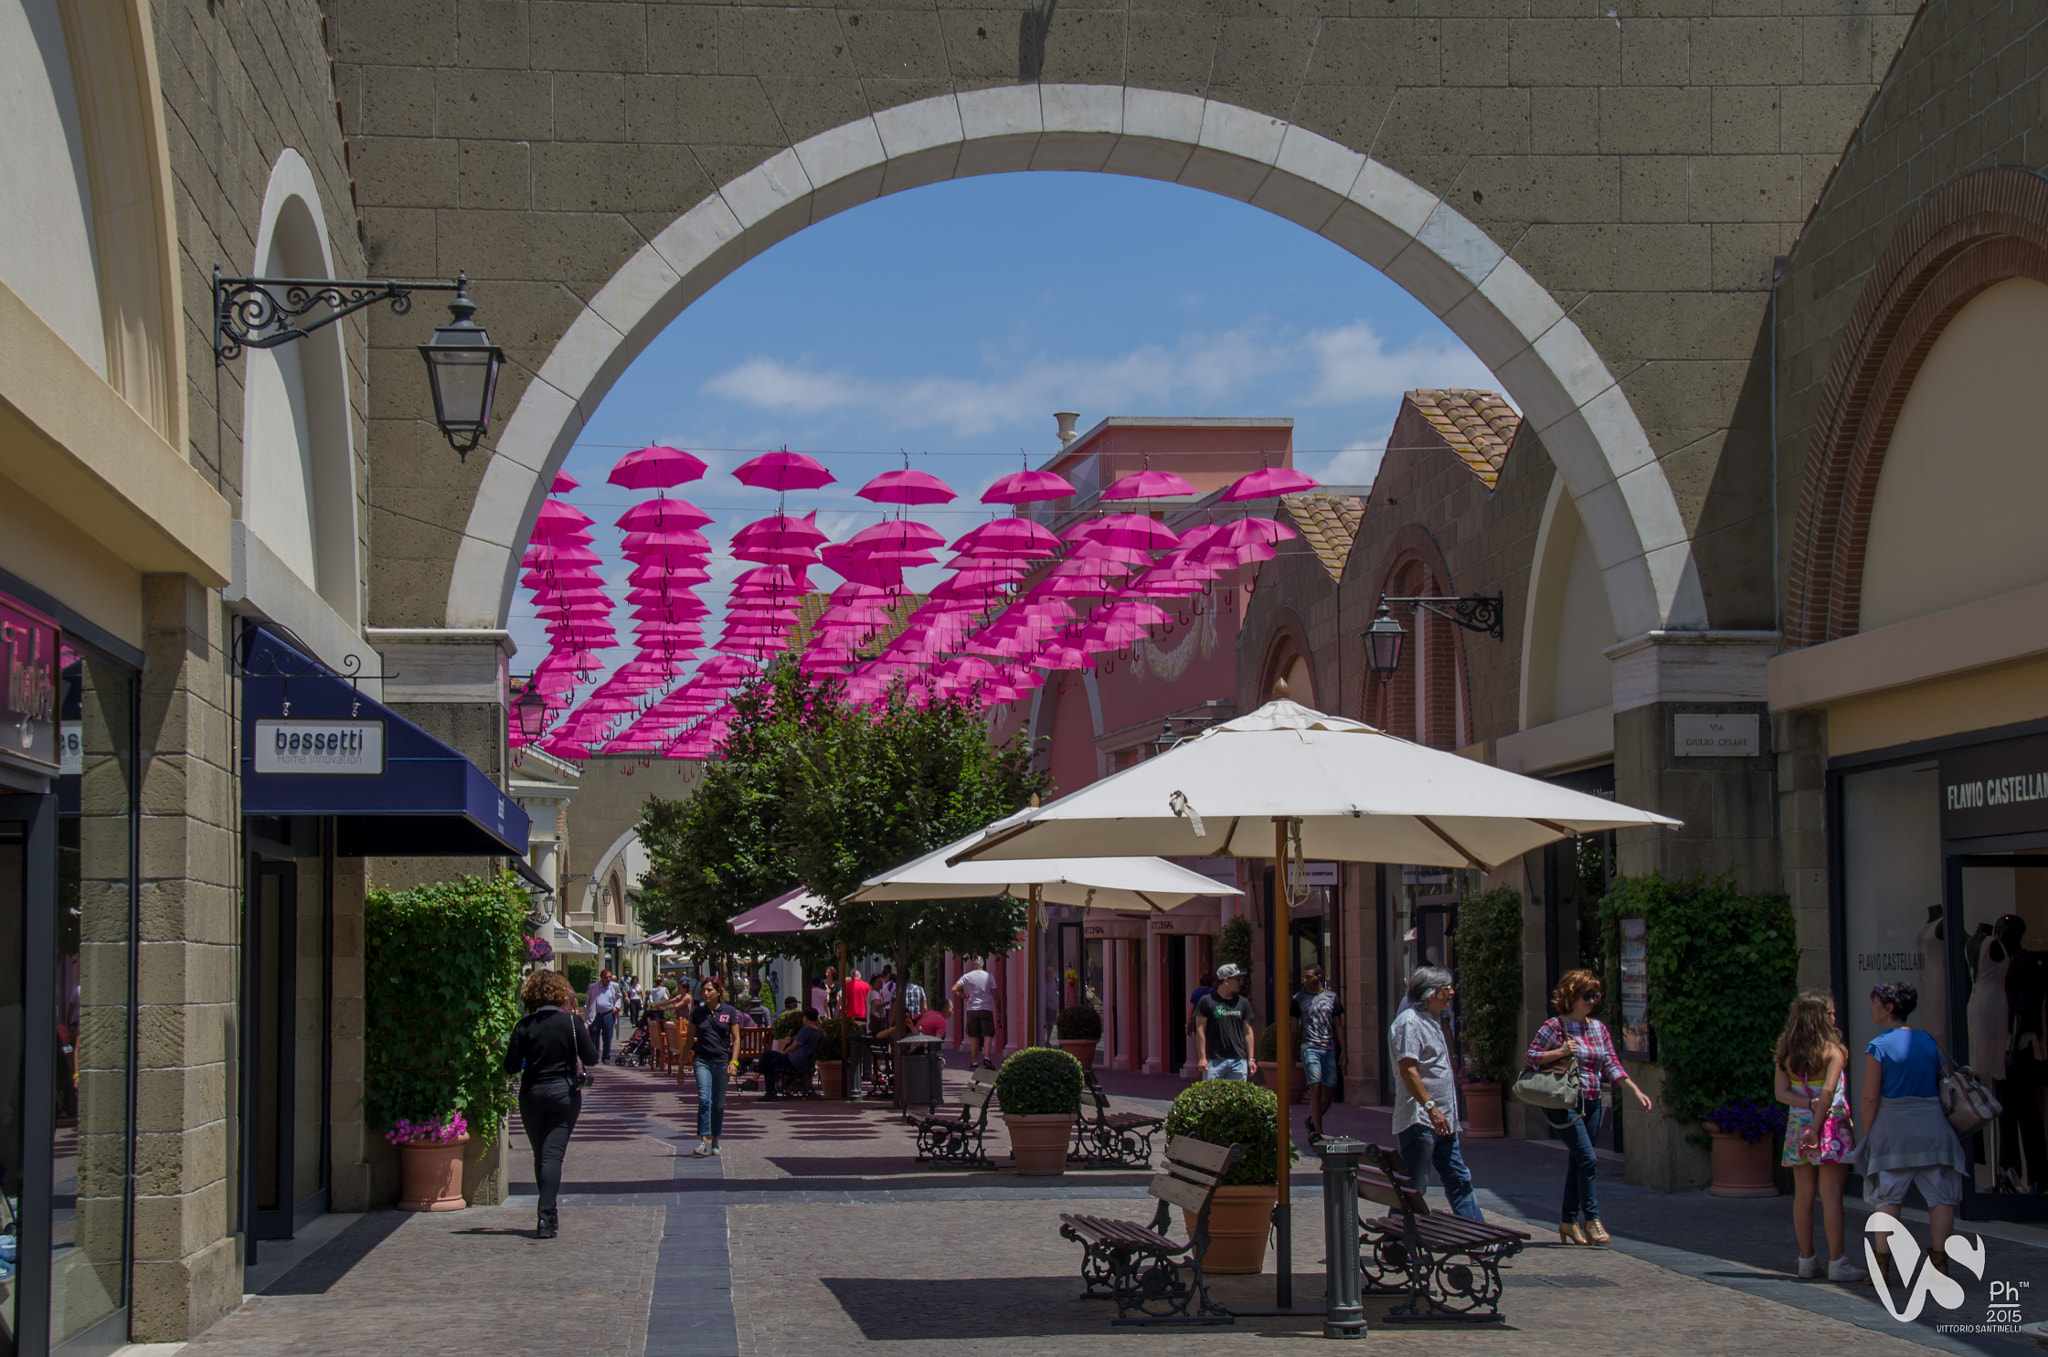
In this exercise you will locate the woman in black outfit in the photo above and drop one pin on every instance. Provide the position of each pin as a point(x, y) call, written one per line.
point(545, 1049)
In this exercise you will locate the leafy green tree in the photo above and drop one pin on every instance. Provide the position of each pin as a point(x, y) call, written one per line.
point(1489, 956)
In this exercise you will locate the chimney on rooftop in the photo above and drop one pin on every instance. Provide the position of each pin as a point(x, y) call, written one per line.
point(1066, 420)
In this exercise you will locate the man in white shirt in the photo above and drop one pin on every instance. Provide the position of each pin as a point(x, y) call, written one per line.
point(603, 1003)
point(1426, 1110)
point(978, 988)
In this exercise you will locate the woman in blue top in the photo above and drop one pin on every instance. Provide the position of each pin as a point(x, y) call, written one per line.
point(1907, 1140)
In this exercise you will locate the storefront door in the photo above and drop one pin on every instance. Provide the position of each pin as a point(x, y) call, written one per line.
point(271, 946)
point(1995, 931)
point(28, 860)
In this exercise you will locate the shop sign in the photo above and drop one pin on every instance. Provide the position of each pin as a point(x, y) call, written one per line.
point(1717, 735)
point(28, 673)
point(1320, 873)
point(324, 748)
point(1992, 789)
point(71, 748)
point(1223, 870)
point(1635, 990)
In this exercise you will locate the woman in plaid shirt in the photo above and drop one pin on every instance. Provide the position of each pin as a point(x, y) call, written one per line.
point(1575, 1034)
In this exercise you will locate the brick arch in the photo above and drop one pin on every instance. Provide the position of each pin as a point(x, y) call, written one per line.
point(1361, 204)
point(1970, 235)
point(1415, 567)
point(1286, 641)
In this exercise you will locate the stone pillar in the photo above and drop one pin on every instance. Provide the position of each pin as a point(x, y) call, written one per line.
point(188, 1255)
point(1155, 1001)
point(350, 1136)
point(1729, 806)
point(1800, 739)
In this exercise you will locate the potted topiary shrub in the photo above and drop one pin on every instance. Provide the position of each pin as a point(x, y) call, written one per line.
point(1267, 1051)
point(786, 1025)
point(1080, 1029)
point(831, 1060)
point(1745, 1133)
point(1040, 1093)
point(1489, 956)
point(1231, 1112)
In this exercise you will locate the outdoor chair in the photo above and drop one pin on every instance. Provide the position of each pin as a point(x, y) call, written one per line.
point(1152, 1279)
point(954, 1135)
point(1447, 1266)
point(1106, 1139)
point(748, 1045)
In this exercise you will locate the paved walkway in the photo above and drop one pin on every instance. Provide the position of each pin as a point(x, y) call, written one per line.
point(818, 1232)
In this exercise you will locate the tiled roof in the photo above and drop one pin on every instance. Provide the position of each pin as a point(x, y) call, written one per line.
point(811, 607)
point(1478, 426)
point(1328, 523)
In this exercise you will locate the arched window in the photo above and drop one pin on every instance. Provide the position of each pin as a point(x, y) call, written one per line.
point(1424, 700)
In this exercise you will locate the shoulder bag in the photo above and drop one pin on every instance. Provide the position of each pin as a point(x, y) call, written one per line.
point(1558, 1088)
point(1968, 1103)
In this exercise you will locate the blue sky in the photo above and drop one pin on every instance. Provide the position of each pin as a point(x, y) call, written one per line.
point(951, 321)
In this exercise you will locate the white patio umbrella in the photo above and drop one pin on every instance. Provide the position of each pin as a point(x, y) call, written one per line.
point(1287, 779)
point(1130, 885)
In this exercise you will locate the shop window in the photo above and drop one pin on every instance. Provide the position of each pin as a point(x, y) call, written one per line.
point(1891, 854)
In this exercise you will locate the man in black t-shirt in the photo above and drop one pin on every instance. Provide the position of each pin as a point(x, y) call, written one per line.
point(1224, 1028)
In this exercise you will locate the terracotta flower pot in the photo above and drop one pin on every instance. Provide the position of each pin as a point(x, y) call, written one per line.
point(832, 1078)
point(1483, 1117)
point(1083, 1051)
point(1240, 1218)
point(1741, 1169)
point(1038, 1142)
point(431, 1175)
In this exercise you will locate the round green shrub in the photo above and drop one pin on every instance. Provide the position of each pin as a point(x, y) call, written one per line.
point(1039, 1081)
point(1490, 981)
point(832, 1046)
point(582, 975)
point(786, 1025)
point(1080, 1022)
point(1267, 1047)
point(1230, 1112)
point(1234, 946)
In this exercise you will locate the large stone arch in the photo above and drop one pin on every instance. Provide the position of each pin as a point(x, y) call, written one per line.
point(1441, 256)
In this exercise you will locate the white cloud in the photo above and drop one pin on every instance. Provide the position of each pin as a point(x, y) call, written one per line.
point(1348, 466)
point(1347, 366)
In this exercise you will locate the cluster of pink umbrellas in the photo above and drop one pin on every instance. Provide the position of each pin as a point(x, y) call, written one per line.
point(1017, 605)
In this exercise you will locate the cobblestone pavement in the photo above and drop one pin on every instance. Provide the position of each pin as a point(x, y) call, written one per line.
point(838, 1240)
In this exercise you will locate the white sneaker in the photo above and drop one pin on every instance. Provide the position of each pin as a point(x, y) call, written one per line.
point(715, 1150)
point(1842, 1270)
point(703, 1148)
point(1809, 1268)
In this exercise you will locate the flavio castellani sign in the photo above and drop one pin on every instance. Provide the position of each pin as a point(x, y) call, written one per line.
point(1995, 789)
point(327, 747)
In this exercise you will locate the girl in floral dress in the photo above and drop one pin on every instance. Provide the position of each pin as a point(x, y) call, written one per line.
point(1819, 1144)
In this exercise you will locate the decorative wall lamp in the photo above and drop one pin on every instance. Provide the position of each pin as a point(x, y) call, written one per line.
point(462, 363)
point(1474, 612)
point(530, 709)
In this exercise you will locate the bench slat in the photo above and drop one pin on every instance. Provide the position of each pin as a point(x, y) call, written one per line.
point(1198, 1154)
point(1180, 1192)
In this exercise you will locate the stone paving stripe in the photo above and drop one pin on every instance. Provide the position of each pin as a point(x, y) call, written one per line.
point(690, 1313)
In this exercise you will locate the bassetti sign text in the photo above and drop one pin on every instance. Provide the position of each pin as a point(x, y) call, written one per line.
point(324, 747)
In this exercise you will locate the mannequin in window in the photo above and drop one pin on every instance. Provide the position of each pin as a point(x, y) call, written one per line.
point(1933, 1008)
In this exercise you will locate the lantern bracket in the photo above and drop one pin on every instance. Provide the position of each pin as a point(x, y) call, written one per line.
point(1484, 613)
point(263, 313)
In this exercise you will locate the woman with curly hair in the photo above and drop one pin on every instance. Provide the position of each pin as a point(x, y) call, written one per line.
point(1820, 1137)
point(1576, 1035)
point(545, 1050)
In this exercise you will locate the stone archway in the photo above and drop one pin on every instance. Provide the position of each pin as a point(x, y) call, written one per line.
point(1539, 354)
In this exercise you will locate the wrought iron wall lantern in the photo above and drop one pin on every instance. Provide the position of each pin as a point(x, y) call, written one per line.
point(1484, 613)
point(530, 709)
point(462, 363)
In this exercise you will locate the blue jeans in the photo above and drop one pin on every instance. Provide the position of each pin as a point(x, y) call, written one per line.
point(1580, 1162)
point(601, 1033)
point(711, 1098)
point(1226, 1069)
point(1421, 1146)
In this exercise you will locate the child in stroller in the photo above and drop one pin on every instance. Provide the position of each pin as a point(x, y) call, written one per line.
point(639, 1048)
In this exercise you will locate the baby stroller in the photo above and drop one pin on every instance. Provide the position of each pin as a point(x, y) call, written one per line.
point(638, 1050)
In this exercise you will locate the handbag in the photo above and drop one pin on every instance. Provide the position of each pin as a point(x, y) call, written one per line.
point(1558, 1088)
point(1968, 1103)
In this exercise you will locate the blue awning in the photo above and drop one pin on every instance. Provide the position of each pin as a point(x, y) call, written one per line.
point(313, 745)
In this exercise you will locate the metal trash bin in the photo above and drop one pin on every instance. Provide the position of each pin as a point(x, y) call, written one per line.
point(921, 1068)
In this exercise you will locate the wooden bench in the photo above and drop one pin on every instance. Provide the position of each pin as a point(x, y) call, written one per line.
point(954, 1134)
point(1447, 1267)
point(1152, 1279)
point(1106, 1139)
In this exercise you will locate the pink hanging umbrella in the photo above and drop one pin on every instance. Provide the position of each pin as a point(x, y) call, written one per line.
point(1148, 484)
point(562, 484)
point(772, 577)
point(783, 471)
point(907, 487)
point(1008, 536)
point(560, 556)
point(662, 515)
point(1026, 487)
point(655, 468)
point(1135, 610)
point(1268, 482)
point(1254, 530)
point(669, 542)
point(897, 534)
point(1133, 530)
point(556, 518)
point(673, 576)
point(858, 570)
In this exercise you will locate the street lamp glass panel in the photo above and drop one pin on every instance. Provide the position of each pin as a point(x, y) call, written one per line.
point(1383, 644)
point(531, 710)
point(462, 369)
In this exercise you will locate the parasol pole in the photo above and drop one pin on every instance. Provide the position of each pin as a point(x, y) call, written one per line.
point(1032, 985)
point(1283, 1212)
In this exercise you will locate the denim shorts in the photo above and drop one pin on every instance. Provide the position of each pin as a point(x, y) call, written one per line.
point(1320, 1064)
point(1225, 1069)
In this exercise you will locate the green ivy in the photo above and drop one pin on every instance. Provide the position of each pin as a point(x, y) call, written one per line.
point(1723, 967)
point(1234, 947)
point(1489, 956)
point(1231, 1112)
point(1039, 1081)
point(1079, 1022)
point(582, 975)
point(441, 994)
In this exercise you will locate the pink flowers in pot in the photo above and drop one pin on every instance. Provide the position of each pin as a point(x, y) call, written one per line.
point(432, 1131)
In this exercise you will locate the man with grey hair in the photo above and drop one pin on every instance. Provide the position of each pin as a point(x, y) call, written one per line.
point(1426, 1113)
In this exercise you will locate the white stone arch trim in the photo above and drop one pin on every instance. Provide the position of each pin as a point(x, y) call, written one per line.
point(593, 892)
point(291, 177)
point(1441, 257)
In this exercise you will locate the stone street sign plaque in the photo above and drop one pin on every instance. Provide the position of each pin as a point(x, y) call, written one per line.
point(1717, 735)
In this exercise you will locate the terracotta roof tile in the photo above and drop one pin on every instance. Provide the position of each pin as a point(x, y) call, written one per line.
point(1328, 524)
point(1477, 425)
